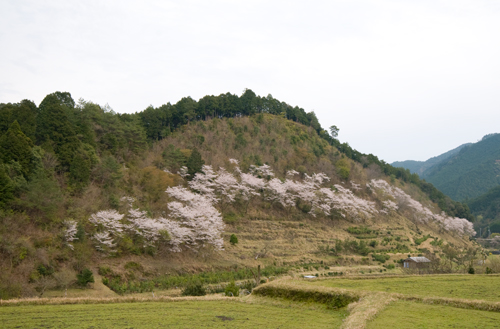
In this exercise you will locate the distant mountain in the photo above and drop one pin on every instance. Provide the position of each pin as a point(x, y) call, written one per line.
point(464, 172)
point(486, 208)
point(487, 205)
point(420, 167)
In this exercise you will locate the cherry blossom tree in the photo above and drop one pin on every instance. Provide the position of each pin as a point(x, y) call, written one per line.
point(69, 234)
point(196, 212)
point(149, 229)
point(109, 227)
point(421, 214)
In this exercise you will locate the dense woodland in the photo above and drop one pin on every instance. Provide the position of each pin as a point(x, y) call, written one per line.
point(72, 173)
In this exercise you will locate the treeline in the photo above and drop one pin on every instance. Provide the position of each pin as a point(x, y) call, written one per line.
point(88, 142)
point(59, 144)
point(159, 122)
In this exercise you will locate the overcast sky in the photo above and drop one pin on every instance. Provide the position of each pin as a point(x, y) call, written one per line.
point(401, 79)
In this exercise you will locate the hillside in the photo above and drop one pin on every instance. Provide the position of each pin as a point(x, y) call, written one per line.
point(423, 167)
point(149, 203)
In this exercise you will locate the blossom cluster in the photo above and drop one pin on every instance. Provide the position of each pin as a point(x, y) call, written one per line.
point(194, 221)
point(421, 213)
point(70, 231)
point(223, 188)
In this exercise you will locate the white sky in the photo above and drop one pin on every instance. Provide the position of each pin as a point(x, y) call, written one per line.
point(401, 79)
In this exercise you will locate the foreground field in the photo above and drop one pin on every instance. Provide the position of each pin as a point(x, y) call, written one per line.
point(479, 287)
point(435, 301)
point(402, 314)
point(178, 314)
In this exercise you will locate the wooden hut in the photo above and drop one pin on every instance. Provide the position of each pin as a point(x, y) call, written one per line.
point(416, 262)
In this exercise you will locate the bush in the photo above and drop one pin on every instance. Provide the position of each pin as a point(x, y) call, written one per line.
point(233, 239)
point(194, 290)
point(232, 290)
point(84, 277)
point(471, 270)
point(380, 258)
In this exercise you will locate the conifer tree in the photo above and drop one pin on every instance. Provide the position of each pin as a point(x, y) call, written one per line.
point(79, 171)
point(16, 146)
point(194, 163)
point(54, 127)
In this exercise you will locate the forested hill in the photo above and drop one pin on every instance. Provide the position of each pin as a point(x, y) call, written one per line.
point(471, 172)
point(163, 190)
point(423, 167)
point(86, 141)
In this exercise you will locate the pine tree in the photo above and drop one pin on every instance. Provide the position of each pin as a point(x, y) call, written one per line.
point(194, 163)
point(54, 128)
point(16, 146)
point(79, 171)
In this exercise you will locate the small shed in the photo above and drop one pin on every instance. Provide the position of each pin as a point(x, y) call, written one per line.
point(417, 262)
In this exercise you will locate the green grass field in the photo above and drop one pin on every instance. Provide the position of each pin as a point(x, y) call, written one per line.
point(481, 287)
point(402, 314)
point(178, 314)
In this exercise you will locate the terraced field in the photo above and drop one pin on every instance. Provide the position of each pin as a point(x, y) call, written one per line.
point(478, 287)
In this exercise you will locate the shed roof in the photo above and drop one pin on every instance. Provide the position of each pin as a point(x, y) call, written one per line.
point(419, 259)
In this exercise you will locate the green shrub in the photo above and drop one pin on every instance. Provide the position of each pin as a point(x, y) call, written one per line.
point(232, 290)
point(471, 270)
point(380, 258)
point(422, 239)
point(233, 239)
point(84, 277)
point(45, 270)
point(194, 290)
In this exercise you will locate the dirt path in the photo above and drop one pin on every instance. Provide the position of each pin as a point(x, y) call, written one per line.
point(365, 309)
